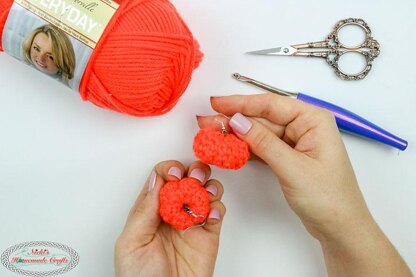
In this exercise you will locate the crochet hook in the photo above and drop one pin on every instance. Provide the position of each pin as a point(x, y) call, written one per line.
point(347, 121)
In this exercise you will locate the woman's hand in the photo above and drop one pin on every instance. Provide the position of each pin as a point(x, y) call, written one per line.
point(303, 147)
point(150, 247)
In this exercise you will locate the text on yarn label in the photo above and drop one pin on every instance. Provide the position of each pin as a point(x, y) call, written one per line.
point(82, 20)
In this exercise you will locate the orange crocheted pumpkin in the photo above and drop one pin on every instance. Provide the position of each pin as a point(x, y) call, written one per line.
point(184, 203)
point(223, 150)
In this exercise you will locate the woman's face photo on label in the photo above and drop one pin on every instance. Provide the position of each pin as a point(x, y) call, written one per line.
point(41, 54)
point(40, 39)
point(50, 51)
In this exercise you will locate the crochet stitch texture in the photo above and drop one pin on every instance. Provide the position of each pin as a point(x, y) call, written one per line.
point(184, 203)
point(223, 150)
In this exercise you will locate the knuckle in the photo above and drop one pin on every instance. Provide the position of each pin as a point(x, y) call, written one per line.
point(291, 131)
point(201, 165)
point(120, 243)
point(272, 97)
point(266, 111)
point(160, 164)
point(166, 162)
point(215, 182)
point(139, 210)
point(261, 141)
point(220, 206)
point(326, 116)
point(246, 106)
point(223, 208)
point(268, 107)
point(219, 186)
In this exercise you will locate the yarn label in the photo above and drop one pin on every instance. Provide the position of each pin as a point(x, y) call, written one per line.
point(57, 37)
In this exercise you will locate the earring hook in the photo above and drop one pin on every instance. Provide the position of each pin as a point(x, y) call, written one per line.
point(223, 129)
point(189, 211)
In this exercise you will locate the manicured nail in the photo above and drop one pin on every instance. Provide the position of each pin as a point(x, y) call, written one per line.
point(240, 124)
point(212, 189)
point(152, 181)
point(175, 171)
point(198, 173)
point(199, 116)
point(214, 214)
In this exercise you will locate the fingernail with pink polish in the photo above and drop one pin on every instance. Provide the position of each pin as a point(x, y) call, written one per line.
point(175, 171)
point(152, 181)
point(212, 189)
point(214, 214)
point(198, 174)
point(240, 124)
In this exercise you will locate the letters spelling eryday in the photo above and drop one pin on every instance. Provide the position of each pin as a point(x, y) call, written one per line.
point(71, 13)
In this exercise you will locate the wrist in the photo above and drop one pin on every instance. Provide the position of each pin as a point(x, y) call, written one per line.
point(362, 250)
point(350, 235)
point(350, 229)
point(339, 224)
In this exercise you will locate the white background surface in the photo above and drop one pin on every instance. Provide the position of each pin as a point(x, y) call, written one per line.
point(69, 171)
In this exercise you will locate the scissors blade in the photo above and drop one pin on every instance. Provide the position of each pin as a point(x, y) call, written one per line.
point(278, 51)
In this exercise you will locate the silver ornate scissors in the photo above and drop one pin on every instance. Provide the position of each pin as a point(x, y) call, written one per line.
point(334, 49)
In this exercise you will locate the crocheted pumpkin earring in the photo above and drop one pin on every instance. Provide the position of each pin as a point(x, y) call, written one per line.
point(220, 148)
point(184, 203)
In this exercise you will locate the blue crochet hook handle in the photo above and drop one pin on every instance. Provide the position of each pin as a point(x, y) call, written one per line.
point(346, 120)
point(355, 124)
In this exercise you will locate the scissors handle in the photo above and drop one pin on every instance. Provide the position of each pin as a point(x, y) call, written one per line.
point(316, 44)
point(369, 48)
point(353, 123)
point(316, 54)
point(334, 35)
point(333, 58)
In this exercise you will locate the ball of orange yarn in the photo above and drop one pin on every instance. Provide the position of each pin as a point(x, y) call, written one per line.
point(184, 203)
point(223, 150)
point(143, 62)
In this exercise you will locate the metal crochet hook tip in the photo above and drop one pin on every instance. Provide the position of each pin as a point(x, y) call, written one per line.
point(236, 76)
point(258, 84)
point(241, 78)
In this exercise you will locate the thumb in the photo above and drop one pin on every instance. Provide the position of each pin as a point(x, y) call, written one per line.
point(144, 218)
point(264, 143)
